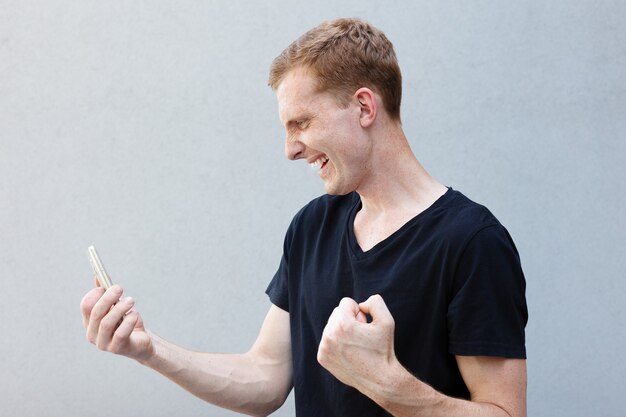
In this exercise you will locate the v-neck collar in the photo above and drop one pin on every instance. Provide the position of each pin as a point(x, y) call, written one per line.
point(355, 248)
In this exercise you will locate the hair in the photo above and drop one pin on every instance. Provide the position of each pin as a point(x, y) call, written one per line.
point(344, 55)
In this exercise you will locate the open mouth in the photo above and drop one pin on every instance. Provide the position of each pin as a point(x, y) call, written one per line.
point(320, 162)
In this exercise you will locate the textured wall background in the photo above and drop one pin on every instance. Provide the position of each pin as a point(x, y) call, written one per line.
point(146, 128)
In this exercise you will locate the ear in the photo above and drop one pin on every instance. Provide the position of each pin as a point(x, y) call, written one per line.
point(368, 104)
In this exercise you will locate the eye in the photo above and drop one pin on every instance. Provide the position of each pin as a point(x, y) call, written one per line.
point(302, 124)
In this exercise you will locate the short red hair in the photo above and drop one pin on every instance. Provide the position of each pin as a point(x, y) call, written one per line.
point(345, 55)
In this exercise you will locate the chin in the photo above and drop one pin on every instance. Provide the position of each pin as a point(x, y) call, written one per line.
point(336, 190)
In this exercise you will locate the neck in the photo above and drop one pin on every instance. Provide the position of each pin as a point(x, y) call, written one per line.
point(397, 182)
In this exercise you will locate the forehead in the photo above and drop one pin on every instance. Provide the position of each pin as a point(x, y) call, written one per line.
point(297, 94)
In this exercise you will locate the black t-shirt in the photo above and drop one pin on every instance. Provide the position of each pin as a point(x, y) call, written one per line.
point(451, 278)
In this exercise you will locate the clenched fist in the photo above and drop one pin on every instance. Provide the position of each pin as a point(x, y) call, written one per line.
point(356, 351)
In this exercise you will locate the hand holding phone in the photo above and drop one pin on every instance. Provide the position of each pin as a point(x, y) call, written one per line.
point(124, 332)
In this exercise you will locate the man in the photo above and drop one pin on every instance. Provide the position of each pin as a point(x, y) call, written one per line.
point(395, 295)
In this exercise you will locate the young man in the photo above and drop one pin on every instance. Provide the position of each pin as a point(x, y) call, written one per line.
point(395, 295)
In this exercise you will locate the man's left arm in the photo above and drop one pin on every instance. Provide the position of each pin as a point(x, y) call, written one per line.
point(361, 354)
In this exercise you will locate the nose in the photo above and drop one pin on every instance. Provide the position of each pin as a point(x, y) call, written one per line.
point(294, 149)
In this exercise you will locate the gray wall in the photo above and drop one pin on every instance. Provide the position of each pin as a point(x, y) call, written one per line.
point(146, 128)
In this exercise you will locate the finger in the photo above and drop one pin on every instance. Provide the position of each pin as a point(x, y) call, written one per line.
point(375, 306)
point(344, 313)
point(100, 309)
point(347, 306)
point(87, 303)
point(110, 323)
point(95, 278)
point(124, 330)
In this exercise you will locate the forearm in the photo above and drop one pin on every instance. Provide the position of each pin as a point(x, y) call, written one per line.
point(241, 382)
point(361, 354)
point(402, 394)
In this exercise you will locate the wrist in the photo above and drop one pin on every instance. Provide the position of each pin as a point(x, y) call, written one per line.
point(381, 380)
point(396, 388)
point(149, 356)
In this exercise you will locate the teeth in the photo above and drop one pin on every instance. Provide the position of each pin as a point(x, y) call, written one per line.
point(319, 162)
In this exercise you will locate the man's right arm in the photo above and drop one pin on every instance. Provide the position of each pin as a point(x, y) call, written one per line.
point(256, 382)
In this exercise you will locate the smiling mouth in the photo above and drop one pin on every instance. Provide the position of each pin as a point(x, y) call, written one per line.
point(319, 163)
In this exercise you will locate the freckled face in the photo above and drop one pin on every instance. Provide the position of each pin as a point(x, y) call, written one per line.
point(327, 135)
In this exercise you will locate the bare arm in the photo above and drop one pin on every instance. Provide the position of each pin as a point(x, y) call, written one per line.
point(497, 388)
point(361, 355)
point(256, 382)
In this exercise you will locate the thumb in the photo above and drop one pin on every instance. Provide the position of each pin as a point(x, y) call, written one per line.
point(375, 306)
point(360, 316)
point(350, 307)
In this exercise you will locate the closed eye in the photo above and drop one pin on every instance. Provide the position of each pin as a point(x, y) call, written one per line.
point(301, 124)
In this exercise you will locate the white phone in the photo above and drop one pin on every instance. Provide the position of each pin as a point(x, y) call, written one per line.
point(98, 268)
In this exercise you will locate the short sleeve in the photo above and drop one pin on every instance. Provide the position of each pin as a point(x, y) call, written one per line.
point(278, 290)
point(487, 314)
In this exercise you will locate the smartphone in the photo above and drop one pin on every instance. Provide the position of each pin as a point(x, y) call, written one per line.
point(98, 268)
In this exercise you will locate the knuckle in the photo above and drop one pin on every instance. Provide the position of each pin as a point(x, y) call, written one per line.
point(343, 328)
point(116, 346)
point(329, 331)
point(322, 353)
point(85, 309)
point(133, 318)
point(330, 341)
point(321, 359)
point(346, 302)
point(106, 326)
point(109, 324)
point(96, 314)
point(325, 333)
point(390, 320)
point(101, 345)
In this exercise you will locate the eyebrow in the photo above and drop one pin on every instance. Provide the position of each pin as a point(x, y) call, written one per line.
point(305, 117)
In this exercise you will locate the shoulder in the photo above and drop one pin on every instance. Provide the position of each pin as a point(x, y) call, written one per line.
point(459, 219)
point(322, 214)
point(466, 212)
point(482, 242)
point(325, 208)
point(458, 223)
